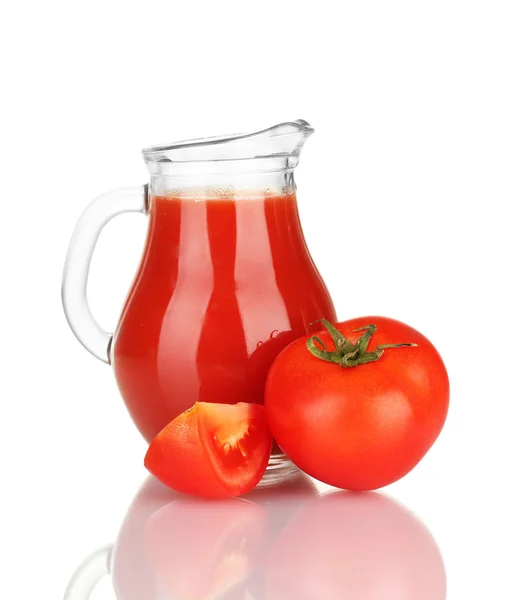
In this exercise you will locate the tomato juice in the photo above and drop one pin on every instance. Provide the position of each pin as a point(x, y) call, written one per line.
point(225, 283)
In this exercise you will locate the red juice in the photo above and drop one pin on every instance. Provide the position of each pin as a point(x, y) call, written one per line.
point(224, 285)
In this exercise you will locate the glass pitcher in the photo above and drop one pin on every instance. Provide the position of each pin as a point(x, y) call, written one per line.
point(225, 282)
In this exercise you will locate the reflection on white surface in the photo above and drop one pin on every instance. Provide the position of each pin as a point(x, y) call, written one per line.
point(283, 543)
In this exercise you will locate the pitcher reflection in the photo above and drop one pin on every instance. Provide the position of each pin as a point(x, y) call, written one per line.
point(275, 544)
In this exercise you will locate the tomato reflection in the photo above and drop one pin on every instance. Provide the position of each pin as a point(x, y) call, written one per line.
point(204, 549)
point(175, 546)
point(282, 543)
point(359, 546)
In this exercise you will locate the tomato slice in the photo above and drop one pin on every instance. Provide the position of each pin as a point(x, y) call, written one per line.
point(212, 450)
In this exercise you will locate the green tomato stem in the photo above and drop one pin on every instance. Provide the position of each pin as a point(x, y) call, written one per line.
point(348, 354)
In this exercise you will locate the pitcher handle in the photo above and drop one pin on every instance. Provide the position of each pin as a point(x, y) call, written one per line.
point(94, 568)
point(78, 259)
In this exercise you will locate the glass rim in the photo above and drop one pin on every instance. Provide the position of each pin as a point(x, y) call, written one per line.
point(280, 141)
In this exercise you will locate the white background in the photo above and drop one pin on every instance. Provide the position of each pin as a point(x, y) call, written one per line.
point(410, 193)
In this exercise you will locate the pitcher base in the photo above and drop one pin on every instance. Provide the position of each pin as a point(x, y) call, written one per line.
point(280, 469)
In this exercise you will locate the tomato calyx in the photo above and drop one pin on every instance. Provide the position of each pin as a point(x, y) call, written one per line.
point(348, 354)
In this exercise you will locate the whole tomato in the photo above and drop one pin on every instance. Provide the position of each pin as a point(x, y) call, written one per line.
point(352, 408)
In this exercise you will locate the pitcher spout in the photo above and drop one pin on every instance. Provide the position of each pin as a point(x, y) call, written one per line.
point(284, 139)
point(276, 148)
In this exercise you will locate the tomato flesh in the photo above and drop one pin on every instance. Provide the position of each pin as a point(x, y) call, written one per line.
point(212, 450)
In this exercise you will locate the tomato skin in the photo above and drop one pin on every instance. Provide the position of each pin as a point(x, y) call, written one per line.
point(181, 456)
point(364, 427)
